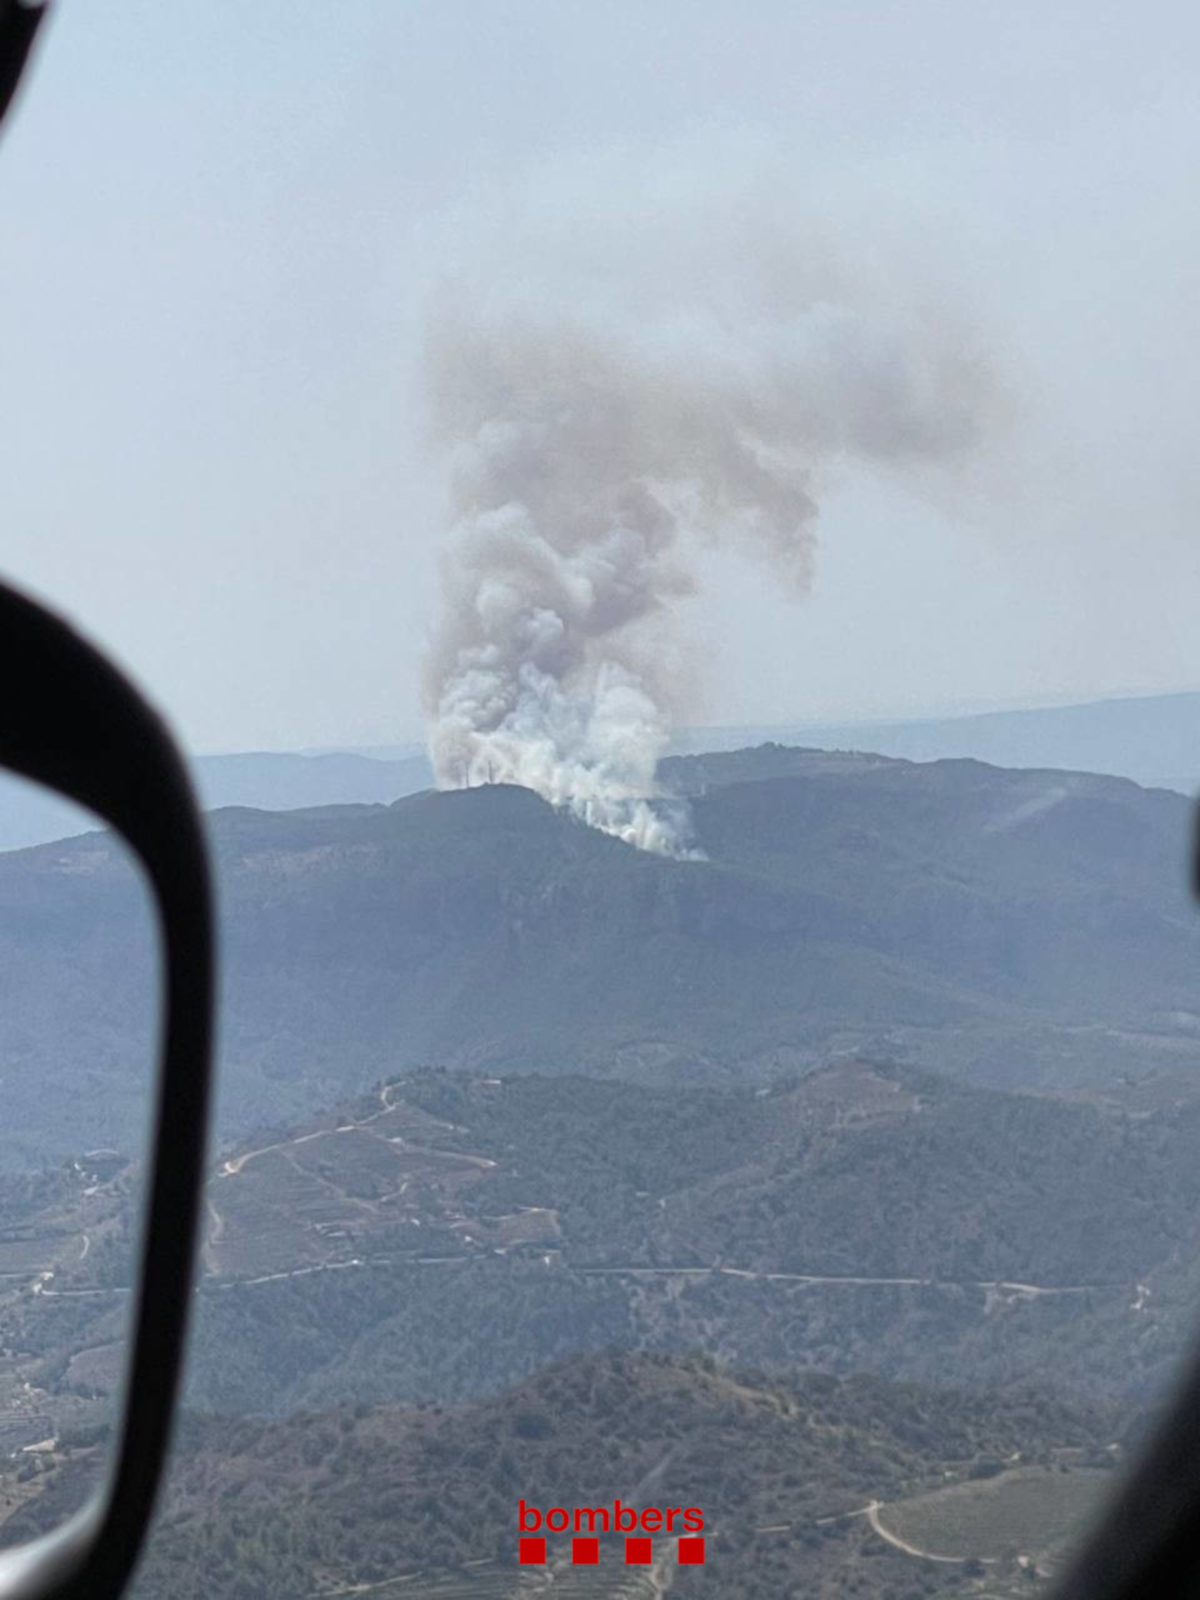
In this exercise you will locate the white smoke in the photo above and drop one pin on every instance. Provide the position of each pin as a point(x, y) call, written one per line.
point(595, 440)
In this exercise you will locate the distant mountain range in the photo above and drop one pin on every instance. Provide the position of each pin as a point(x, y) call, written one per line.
point(1017, 928)
point(268, 780)
point(1155, 740)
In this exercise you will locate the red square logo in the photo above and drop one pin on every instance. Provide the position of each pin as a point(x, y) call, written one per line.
point(639, 1552)
point(691, 1552)
point(532, 1552)
point(585, 1552)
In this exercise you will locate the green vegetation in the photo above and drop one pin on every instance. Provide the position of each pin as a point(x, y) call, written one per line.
point(357, 1495)
point(865, 1168)
point(446, 1236)
point(1016, 1230)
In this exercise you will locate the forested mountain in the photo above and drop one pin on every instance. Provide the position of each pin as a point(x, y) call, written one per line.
point(899, 1074)
point(781, 1472)
point(866, 1218)
point(1016, 928)
point(447, 1235)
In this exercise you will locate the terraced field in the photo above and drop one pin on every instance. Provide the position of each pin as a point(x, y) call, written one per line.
point(378, 1188)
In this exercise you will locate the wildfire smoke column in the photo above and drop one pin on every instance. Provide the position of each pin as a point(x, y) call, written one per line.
point(590, 455)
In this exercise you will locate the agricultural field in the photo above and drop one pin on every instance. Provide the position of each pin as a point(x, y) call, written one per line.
point(1030, 1517)
point(485, 1581)
point(380, 1187)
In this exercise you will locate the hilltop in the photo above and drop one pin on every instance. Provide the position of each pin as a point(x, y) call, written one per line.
point(1153, 739)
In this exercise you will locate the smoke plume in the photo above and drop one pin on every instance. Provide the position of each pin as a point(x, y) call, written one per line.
point(595, 443)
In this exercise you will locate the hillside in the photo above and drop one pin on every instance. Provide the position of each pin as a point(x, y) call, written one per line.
point(445, 1236)
point(780, 1470)
point(1016, 928)
point(866, 1219)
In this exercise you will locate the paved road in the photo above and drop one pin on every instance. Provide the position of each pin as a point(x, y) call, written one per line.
point(1028, 1290)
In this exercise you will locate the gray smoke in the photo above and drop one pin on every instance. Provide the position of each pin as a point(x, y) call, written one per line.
point(594, 448)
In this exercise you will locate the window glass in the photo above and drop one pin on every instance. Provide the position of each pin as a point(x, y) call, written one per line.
point(667, 534)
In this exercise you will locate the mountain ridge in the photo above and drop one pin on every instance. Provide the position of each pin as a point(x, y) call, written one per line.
point(1022, 929)
point(1144, 737)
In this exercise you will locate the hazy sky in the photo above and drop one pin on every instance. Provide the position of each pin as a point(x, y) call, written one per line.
point(219, 224)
